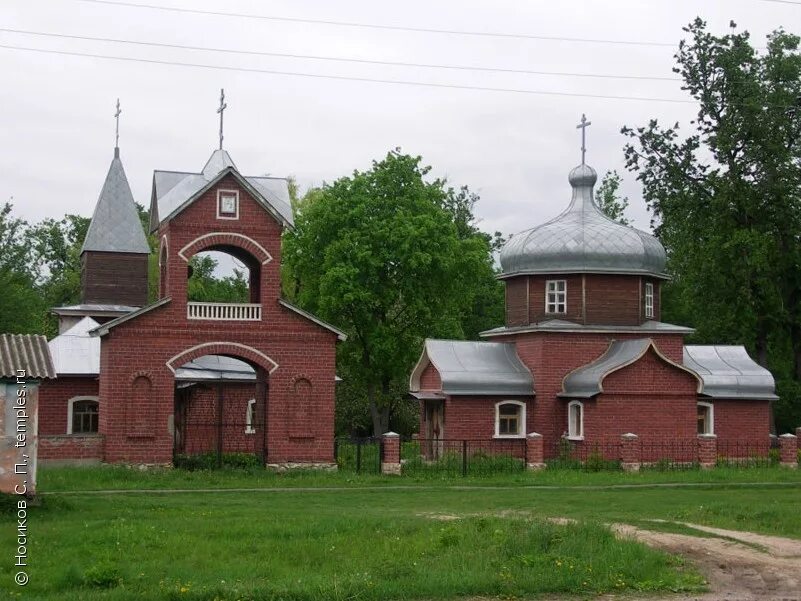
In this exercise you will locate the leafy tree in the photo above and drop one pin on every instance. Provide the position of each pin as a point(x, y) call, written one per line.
point(608, 199)
point(205, 286)
point(391, 258)
point(727, 198)
point(20, 304)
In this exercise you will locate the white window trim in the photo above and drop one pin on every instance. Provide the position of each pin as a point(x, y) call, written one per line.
point(522, 406)
point(249, 429)
point(556, 291)
point(580, 435)
point(649, 299)
point(711, 408)
point(74, 400)
point(219, 197)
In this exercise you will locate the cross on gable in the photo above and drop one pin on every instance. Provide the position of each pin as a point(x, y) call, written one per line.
point(220, 110)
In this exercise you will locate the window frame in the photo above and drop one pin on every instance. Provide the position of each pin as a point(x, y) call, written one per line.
point(710, 429)
point(570, 407)
point(235, 214)
point(649, 300)
point(249, 411)
point(556, 292)
point(70, 413)
point(521, 417)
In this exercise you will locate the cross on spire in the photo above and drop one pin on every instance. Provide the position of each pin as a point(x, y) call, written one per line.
point(220, 110)
point(583, 127)
point(117, 132)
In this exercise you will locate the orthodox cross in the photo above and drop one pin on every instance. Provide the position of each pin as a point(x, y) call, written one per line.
point(117, 118)
point(583, 127)
point(220, 110)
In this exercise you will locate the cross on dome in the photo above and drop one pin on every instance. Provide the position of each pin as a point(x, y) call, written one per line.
point(583, 127)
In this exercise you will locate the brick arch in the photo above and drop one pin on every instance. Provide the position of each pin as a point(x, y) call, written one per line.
point(231, 349)
point(215, 239)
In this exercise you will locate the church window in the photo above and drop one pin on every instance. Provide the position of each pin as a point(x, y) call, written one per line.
point(706, 418)
point(250, 417)
point(227, 204)
point(575, 420)
point(82, 415)
point(510, 419)
point(649, 300)
point(556, 296)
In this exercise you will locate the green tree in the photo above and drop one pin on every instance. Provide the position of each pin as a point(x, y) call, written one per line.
point(727, 198)
point(20, 302)
point(391, 258)
point(205, 286)
point(609, 200)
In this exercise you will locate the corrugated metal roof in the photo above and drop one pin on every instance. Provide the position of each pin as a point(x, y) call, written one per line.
point(587, 381)
point(583, 239)
point(75, 352)
point(728, 372)
point(115, 225)
point(28, 352)
point(475, 368)
point(174, 190)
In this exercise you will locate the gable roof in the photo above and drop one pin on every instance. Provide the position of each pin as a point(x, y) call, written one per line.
point(475, 368)
point(76, 352)
point(587, 380)
point(340, 334)
point(173, 191)
point(103, 329)
point(729, 372)
point(115, 225)
point(27, 352)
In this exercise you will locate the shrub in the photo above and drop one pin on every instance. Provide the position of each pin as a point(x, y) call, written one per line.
point(103, 574)
point(208, 461)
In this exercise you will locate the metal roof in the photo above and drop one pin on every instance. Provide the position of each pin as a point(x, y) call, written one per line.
point(103, 329)
point(728, 372)
point(27, 352)
point(93, 309)
point(173, 191)
point(583, 239)
point(475, 368)
point(115, 225)
point(587, 380)
point(562, 325)
point(214, 368)
point(75, 352)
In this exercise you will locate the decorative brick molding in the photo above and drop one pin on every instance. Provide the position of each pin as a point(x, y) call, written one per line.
point(788, 451)
point(535, 457)
point(234, 349)
point(217, 239)
point(630, 452)
point(390, 454)
point(707, 450)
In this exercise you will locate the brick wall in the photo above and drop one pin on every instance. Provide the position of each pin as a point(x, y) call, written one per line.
point(742, 421)
point(53, 398)
point(429, 379)
point(76, 448)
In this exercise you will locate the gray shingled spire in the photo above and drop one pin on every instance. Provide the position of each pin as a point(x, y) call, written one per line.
point(115, 225)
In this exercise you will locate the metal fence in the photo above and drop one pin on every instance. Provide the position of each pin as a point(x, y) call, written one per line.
point(358, 455)
point(462, 457)
point(603, 455)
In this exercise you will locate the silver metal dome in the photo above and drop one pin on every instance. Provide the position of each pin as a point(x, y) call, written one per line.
point(583, 240)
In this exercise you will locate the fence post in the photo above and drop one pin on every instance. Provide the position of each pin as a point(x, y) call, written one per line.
point(390, 454)
point(535, 459)
point(464, 458)
point(630, 459)
point(358, 456)
point(788, 451)
point(707, 451)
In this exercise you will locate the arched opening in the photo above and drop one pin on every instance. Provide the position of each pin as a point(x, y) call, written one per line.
point(220, 415)
point(163, 257)
point(223, 274)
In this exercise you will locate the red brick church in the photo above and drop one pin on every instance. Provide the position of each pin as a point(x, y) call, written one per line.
point(584, 358)
point(142, 383)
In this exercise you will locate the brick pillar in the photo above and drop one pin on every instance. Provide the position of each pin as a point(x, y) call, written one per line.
point(788, 451)
point(707, 451)
point(390, 454)
point(630, 452)
point(535, 458)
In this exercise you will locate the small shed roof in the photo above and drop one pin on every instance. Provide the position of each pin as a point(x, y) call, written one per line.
point(728, 372)
point(587, 380)
point(475, 368)
point(75, 351)
point(27, 352)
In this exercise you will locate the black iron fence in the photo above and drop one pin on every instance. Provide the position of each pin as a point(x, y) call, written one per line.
point(577, 455)
point(358, 455)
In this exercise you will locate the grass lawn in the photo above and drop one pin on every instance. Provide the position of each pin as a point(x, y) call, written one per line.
point(354, 542)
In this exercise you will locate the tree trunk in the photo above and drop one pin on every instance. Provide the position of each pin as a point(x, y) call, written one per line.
point(379, 415)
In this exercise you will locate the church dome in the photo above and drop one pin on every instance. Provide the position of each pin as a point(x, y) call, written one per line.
point(583, 240)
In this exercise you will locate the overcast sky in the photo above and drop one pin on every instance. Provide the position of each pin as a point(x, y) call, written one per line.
point(514, 149)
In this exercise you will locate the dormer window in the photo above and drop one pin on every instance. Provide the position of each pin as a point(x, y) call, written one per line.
point(556, 296)
point(227, 204)
point(649, 300)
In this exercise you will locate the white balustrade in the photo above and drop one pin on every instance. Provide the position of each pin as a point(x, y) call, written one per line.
point(224, 311)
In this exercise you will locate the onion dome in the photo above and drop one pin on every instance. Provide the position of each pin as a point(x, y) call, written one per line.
point(583, 240)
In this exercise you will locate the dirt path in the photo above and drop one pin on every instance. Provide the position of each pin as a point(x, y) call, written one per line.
point(736, 572)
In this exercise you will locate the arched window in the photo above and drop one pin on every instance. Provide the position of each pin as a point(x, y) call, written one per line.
point(510, 419)
point(82, 415)
point(706, 418)
point(250, 417)
point(575, 420)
